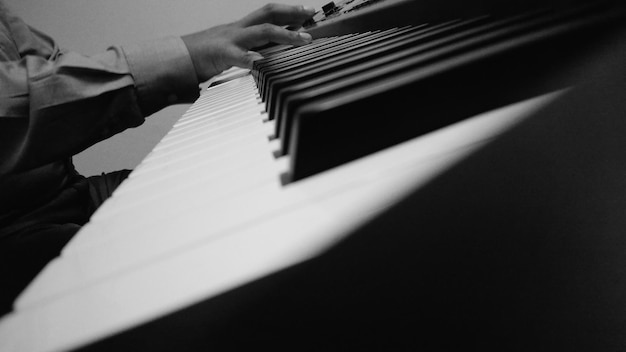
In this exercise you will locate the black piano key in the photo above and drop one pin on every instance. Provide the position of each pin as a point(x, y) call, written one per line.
point(312, 48)
point(328, 63)
point(322, 58)
point(323, 61)
point(312, 57)
point(260, 66)
point(315, 45)
point(349, 63)
point(332, 129)
point(421, 54)
point(273, 49)
point(263, 66)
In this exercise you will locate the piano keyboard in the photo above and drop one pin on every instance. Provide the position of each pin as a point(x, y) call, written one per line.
point(229, 196)
point(167, 254)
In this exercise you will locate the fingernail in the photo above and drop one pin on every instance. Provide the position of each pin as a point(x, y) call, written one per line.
point(309, 9)
point(305, 37)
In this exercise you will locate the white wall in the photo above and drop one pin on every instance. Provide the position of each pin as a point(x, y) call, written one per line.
point(89, 26)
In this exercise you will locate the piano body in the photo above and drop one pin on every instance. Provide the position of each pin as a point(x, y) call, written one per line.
point(426, 175)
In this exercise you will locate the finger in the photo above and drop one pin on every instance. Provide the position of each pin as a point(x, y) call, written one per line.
point(262, 34)
point(278, 14)
point(248, 59)
point(239, 57)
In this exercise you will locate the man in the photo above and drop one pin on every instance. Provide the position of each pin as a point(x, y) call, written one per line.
point(55, 103)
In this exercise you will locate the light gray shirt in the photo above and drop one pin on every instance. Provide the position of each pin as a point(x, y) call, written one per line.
point(54, 103)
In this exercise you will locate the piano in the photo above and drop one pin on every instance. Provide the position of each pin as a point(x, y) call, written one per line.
point(423, 176)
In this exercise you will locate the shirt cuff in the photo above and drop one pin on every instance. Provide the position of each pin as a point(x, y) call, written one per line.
point(163, 72)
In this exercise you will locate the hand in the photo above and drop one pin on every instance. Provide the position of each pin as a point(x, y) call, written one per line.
point(219, 48)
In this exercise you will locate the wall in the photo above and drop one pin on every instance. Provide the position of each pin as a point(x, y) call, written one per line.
point(90, 26)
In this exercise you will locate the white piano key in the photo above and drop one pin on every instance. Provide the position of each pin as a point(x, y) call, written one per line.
point(241, 137)
point(215, 184)
point(228, 132)
point(217, 147)
point(215, 134)
point(233, 86)
point(237, 159)
point(250, 112)
point(214, 146)
point(270, 128)
point(262, 170)
point(232, 73)
point(210, 120)
point(219, 101)
point(274, 146)
point(214, 103)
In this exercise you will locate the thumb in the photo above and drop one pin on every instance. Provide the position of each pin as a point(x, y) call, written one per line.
point(245, 59)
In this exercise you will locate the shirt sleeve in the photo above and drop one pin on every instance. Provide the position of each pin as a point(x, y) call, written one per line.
point(163, 72)
point(55, 103)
